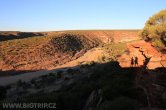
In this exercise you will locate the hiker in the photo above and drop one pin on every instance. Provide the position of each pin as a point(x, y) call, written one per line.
point(132, 62)
point(136, 61)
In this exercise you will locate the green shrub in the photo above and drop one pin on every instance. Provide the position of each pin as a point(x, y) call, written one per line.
point(155, 29)
point(158, 43)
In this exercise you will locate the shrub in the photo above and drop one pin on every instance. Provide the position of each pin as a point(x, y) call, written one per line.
point(155, 29)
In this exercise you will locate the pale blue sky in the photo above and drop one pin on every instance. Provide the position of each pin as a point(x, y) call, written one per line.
point(52, 15)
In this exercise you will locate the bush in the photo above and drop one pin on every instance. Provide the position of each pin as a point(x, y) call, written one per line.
point(158, 43)
point(155, 29)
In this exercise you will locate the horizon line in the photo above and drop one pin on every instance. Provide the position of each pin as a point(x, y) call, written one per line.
point(73, 30)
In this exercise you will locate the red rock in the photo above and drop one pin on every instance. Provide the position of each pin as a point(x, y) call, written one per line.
point(136, 49)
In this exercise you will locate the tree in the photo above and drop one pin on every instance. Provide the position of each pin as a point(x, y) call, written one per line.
point(155, 30)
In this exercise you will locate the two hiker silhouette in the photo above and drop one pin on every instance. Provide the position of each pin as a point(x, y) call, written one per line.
point(134, 61)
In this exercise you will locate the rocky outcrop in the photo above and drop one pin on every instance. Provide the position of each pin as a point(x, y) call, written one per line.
point(153, 84)
point(94, 100)
point(143, 51)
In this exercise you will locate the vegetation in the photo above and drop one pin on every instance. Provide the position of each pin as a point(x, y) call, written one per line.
point(16, 47)
point(116, 86)
point(68, 42)
point(155, 30)
point(55, 47)
point(112, 51)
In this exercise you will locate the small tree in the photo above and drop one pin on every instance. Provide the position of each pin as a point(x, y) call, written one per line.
point(155, 30)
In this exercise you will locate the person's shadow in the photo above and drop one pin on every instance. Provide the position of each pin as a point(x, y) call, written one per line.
point(132, 62)
point(136, 61)
point(146, 61)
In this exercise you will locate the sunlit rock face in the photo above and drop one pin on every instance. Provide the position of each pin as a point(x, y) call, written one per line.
point(142, 49)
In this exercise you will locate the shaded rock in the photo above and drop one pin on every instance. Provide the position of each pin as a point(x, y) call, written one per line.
point(94, 100)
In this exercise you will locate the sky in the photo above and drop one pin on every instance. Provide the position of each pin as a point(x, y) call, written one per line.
point(54, 15)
